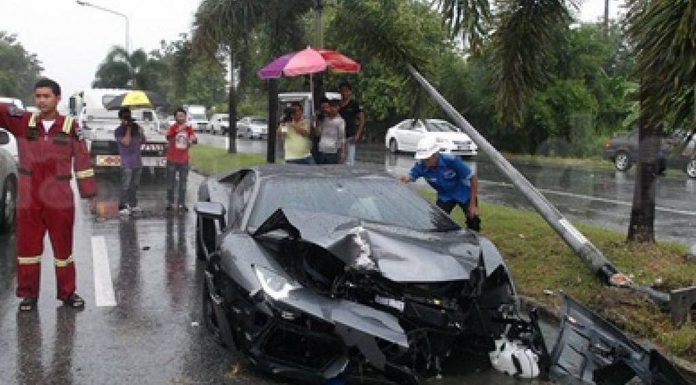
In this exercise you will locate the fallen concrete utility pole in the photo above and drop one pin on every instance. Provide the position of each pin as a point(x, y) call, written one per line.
point(680, 303)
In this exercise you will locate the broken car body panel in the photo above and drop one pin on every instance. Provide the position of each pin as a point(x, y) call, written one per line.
point(589, 350)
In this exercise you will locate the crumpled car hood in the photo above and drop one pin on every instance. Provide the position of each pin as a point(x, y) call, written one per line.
point(399, 254)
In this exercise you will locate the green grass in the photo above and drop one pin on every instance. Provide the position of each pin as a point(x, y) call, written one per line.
point(596, 163)
point(211, 160)
point(540, 260)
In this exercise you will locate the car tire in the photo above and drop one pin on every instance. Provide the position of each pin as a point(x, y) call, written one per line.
point(208, 313)
point(691, 168)
point(8, 205)
point(393, 146)
point(622, 161)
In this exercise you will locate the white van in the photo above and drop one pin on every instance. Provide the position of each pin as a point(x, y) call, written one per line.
point(196, 116)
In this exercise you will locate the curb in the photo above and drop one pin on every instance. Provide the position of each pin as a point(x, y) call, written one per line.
point(551, 313)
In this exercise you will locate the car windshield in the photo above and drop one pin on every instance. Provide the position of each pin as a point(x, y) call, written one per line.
point(371, 199)
point(440, 126)
point(262, 122)
point(197, 117)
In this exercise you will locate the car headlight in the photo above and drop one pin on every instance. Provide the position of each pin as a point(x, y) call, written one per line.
point(273, 284)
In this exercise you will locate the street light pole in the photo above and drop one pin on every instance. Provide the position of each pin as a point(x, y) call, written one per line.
point(88, 4)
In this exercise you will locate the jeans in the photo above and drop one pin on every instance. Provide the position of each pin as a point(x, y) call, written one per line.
point(472, 222)
point(350, 151)
point(172, 170)
point(130, 180)
point(307, 160)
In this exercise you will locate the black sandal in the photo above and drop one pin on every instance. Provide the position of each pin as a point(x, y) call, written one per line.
point(27, 304)
point(74, 301)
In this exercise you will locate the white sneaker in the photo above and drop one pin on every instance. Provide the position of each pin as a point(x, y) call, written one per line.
point(125, 211)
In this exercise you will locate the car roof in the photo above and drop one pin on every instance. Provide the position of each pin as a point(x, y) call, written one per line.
point(295, 171)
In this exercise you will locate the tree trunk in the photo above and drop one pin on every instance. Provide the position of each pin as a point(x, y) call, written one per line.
point(642, 226)
point(272, 120)
point(232, 106)
point(606, 17)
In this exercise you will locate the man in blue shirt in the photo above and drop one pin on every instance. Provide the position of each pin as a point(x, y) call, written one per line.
point(453, 180)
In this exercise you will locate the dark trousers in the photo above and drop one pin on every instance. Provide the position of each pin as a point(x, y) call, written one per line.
point(174, 170)
point(130, 180)
point(326, 158)
point(472, 222)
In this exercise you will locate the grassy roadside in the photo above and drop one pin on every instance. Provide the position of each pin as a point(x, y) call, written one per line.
point(211, 160)
point(540, 260)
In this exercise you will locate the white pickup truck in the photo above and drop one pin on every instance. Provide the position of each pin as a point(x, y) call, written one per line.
point(99, 124)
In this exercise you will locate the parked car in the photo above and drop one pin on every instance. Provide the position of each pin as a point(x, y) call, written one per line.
point(219, 124)
point(406, 135)
point(8, 187)
point(252, 127)
point(9, 143)
point(676, 151)
point(365, 271)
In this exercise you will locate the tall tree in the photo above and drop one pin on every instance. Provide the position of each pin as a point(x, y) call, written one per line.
point(664, 35)
point(224, 25)
point(228, 25)
point(19, 69)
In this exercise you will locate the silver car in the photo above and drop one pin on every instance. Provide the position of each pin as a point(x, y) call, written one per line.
point(8, 186)
point(252, 127)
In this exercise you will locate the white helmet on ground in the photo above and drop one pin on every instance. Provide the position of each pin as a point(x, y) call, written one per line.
point(426, 148)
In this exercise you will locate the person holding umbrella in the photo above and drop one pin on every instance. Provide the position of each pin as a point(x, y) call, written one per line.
point(180, 137)
point(129, 137)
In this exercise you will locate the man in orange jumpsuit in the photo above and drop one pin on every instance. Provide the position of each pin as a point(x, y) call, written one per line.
point(47, 143)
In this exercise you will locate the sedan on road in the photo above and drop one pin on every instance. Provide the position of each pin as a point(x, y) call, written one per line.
point(312, 272)
point(8, 187)
point(406, 135)
point(252, 127)
point(676, 151)
point(219, 124)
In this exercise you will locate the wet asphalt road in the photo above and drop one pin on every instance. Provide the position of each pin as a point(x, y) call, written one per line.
point(599, 197)
point(153, 333)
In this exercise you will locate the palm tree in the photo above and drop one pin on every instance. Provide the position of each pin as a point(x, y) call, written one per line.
point(230, 23)
point(121, 70)
point(664, 36)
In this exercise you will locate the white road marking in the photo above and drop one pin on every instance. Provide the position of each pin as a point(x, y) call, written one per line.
point(587, 197)
point(103, 285)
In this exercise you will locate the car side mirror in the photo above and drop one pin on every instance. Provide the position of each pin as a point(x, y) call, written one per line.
point(211, 210)
point(4, 137)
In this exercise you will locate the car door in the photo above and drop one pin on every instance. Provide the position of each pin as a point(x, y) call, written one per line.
point(405, 135)
point(416, 133)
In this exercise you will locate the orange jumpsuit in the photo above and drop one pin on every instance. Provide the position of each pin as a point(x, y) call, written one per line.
point(45, 198)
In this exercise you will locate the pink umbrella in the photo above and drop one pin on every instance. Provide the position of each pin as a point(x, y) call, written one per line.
point(308, 61)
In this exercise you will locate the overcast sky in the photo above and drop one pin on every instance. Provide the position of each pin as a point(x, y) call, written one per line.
point(71, 40)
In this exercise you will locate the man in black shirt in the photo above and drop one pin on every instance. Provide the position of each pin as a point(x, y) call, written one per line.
point(354, 117)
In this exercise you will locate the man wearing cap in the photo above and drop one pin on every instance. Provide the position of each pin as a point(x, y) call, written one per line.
point(453, 180)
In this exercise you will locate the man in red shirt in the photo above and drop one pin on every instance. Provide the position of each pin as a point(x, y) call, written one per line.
point(180, 137)
point(48, 142)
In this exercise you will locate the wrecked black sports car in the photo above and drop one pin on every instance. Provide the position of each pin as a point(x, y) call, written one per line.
point(317, 272)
